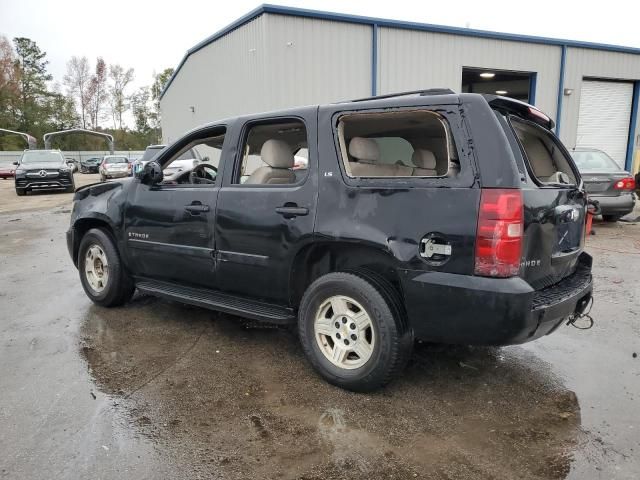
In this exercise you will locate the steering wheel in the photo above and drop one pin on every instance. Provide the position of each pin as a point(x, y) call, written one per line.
point(203, 173)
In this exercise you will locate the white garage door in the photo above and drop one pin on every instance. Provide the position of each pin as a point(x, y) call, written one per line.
point(605, 112)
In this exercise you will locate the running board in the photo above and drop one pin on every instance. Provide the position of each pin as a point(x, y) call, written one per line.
point(215, 300)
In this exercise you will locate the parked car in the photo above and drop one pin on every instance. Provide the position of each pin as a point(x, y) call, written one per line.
point(455, 218)
point(72, 163)
point(90, 165)
point(150, 152)
point(114, 166)
point(7, 172)
point(43, 170)
point(606, 182)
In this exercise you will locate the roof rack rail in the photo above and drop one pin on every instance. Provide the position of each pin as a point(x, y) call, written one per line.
point(423, 92)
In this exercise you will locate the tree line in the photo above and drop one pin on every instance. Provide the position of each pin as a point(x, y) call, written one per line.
point(92, 96)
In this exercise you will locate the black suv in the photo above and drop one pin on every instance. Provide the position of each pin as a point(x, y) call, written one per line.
point(455, 218)
point(43, 170)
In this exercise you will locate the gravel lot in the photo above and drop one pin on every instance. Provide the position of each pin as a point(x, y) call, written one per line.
point(162, 390)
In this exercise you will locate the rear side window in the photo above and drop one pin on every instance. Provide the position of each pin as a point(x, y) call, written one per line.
point(543, 153)
point(397, 144)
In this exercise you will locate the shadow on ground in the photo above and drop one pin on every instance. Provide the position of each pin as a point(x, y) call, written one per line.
point(237, 400)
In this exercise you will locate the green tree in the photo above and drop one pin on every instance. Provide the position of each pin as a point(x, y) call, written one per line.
point(119, 80)
point(33, 78)
point(159, 82)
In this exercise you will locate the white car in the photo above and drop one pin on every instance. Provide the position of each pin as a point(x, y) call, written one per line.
point(179, 166)
point(114, 166)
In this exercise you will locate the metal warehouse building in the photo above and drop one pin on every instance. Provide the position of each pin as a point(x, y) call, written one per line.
point(277, 57)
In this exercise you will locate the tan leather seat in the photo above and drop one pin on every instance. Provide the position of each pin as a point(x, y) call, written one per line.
point(367, 152)
point(425, 162)
point(279, 159)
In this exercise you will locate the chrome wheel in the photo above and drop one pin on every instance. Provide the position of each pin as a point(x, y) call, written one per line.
point(344, 332)
point(96, 268)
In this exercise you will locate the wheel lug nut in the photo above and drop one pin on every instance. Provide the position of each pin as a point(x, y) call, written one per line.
point(344, 319)
point(352, 326)
point(337, 325)
point(353, 337)
point(346, 342)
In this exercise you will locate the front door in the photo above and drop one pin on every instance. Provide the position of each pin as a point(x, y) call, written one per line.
point(170, 226)
point(266, 208)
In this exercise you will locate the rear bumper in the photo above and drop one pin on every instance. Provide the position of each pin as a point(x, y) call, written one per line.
point(461, 309)
point(618, 205)
point(116, 174)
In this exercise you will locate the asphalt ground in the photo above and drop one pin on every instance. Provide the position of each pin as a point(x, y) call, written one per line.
point(157, 389)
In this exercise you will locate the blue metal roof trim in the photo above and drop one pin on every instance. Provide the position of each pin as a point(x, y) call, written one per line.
point(381, 22)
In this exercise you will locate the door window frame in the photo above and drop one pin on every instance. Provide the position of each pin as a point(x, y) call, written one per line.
point(242, 140)
point(201, 134)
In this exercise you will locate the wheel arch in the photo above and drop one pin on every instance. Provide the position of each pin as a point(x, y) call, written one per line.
point(319, 258)
point(82, 225)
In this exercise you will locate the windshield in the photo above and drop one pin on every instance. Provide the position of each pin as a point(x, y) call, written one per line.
point(38, 157)
point(92, 160)
point(594, 161)
point(150, 152)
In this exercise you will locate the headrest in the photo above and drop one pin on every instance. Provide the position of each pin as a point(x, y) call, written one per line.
point(277, 154)
point(364, 149)
point(422, 158)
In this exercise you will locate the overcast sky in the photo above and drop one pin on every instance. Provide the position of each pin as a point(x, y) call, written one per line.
point(153, 35)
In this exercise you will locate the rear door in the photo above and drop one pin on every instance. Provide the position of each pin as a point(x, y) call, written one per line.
point(266, 206)
point(554, 204)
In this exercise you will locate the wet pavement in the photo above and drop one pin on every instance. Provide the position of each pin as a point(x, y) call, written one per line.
point(162, 390)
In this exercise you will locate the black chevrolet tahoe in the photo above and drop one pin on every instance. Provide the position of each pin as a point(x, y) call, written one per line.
point(452, 218)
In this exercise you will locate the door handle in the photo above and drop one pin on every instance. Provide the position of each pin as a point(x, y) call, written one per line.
point(290, 211)
point(196, 208)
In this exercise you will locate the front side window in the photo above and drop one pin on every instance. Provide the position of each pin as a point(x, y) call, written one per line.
point(274, 153)
point(397, 144)
point(196, 163)
point(546, 159)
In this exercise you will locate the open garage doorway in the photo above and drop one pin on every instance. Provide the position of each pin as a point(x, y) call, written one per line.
point(518, 85)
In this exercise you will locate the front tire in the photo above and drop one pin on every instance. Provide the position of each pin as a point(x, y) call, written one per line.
point(102, 274)
point(351, 331)
point(611, 218)
point(21, 192)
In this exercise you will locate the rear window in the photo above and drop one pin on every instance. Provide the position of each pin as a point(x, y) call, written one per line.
point(397, 144)
point(594, 161)
point(543, 153)
point(115, 160)
point(149, 153)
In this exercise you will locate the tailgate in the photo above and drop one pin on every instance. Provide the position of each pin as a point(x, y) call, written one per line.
point(554, 206)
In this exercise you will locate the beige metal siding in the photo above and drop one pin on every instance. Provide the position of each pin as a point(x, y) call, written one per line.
point(270, 63)
point(581, 63)
point(225, 78)
point(410, 59)
point(311, 61)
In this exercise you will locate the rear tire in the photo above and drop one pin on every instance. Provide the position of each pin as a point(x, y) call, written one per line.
point(20, 192)
point(351, 333)
point(611, 218)
point(102, 274)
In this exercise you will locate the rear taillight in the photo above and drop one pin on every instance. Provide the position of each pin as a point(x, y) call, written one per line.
point(625, 184)
point(499, 234)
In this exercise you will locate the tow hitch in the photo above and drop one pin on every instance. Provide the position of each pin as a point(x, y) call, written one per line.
point(581, 318)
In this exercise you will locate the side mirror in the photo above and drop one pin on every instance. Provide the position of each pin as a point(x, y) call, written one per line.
point(15, 162)
point(205, 159)
point(151, 173)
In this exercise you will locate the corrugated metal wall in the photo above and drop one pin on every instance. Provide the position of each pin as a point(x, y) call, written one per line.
point(411, 59)
point(270, 63)
point(581, 63)
point(277, 61)
point(223, 79)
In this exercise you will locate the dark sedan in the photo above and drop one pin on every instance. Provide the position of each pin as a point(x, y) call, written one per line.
point(606, 182)
point(90, 165)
